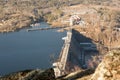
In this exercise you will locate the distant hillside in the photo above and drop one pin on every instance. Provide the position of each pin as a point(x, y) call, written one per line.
point(17, 14)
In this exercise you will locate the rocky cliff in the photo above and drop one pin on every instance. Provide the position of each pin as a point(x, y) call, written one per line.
point(109, 68)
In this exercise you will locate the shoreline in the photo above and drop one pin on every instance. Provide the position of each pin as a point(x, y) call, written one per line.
point(13, 28)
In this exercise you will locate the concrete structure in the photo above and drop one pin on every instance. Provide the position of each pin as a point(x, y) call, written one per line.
point(88, 46)
point(76, 20)
point(73, 52)
point(60, 65)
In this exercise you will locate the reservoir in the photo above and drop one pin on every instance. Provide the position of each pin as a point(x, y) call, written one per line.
point(29, 50)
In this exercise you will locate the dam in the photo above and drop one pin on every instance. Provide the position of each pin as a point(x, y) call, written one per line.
point(73, 53)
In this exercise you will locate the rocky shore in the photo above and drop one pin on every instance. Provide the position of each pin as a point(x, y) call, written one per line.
point(36, 74)
point(16, 22)
point(20, 14)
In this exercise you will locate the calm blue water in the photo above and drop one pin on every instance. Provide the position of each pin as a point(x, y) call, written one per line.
point(28, 50)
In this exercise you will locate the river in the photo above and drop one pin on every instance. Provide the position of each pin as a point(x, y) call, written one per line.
point(29, 50)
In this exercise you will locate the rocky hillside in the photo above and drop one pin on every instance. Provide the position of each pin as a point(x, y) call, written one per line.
point(17, 14)
point(109, 68)
point(101, 23)
point(31, 75)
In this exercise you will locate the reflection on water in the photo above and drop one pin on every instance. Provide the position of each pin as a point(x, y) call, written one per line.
point(27, 50)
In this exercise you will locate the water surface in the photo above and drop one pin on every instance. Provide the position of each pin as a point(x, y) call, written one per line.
point(29, 50)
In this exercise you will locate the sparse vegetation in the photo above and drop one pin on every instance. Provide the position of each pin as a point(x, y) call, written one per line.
point(34, 10)
point(17, 14)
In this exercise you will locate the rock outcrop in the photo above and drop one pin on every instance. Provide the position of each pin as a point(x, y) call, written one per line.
point(109, 68)
point(31, 75)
